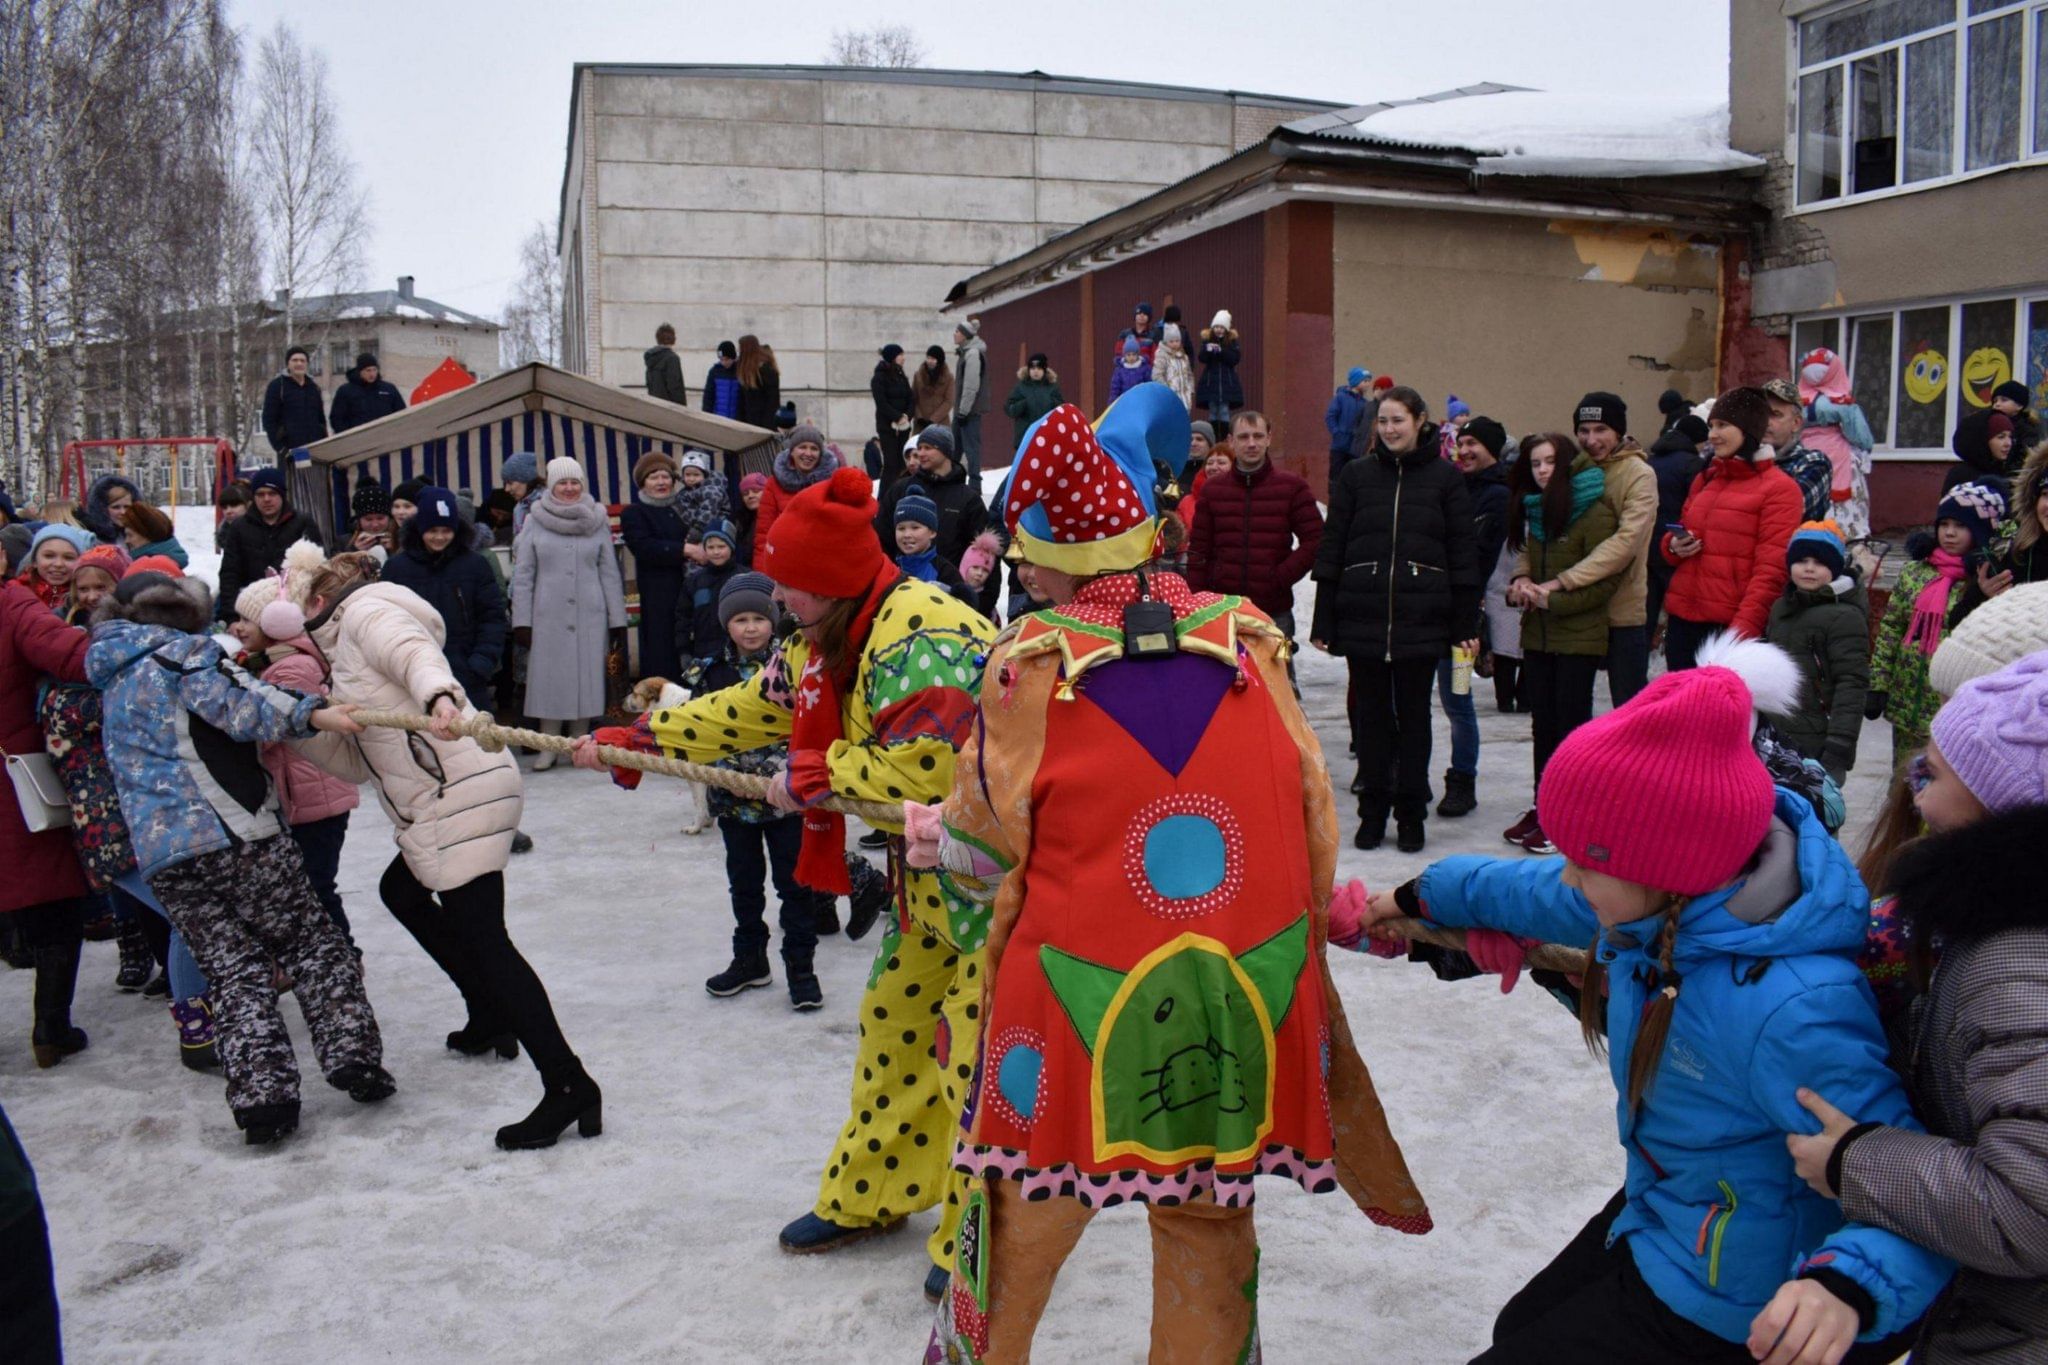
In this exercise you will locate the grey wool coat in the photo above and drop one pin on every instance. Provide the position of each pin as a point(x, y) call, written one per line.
point(1974, 1186)
point(566, 586)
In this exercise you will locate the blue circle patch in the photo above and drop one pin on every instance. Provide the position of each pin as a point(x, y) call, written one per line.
point(1017, 1079)
point(1185, 857)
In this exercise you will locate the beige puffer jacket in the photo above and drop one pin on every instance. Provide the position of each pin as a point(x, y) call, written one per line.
point(455, 807)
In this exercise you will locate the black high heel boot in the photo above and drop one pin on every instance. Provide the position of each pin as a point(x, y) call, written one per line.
point(474, 1040)
point(572, 1097)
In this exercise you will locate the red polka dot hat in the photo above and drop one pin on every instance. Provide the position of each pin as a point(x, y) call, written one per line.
point(1079, 497)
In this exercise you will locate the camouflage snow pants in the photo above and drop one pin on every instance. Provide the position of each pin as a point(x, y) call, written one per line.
point(241, 910)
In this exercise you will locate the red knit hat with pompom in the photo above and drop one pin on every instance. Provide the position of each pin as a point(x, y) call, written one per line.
point(1666, 791)
point(824, 540)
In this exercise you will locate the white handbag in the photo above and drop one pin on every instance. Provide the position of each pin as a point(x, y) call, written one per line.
point(39, 792)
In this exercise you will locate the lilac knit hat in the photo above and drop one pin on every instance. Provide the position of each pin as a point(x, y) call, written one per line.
point(1994, 733)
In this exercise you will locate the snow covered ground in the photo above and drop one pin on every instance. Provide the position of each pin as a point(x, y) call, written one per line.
point(398, 1232)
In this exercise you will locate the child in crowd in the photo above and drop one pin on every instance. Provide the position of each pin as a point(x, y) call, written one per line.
point(52, 558)
point(147, 531)
point(978, 570)
point(233, 502)
point(1822, 620)
point(315, 804)
point(702, 499)
point(698, 629)
point(1933, 595)
point(97, 573)
point(1969, 1187)
point(1130, 369)
point(1557, 517)
point(917, 537)
point(1724, 923)
point(209, 839)
point(760, 841)
point(745, 517)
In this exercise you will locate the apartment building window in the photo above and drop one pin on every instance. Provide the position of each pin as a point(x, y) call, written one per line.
point(1895, 93)
point(1918, 370)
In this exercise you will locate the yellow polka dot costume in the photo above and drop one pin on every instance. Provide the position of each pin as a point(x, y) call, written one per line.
point(911, 705)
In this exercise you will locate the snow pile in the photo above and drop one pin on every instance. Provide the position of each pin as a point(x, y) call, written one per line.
point(193, 526)
point(1544, 132)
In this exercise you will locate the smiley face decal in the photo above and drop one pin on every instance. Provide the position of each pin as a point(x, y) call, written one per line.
point(1926, 377)
point(1984, 370)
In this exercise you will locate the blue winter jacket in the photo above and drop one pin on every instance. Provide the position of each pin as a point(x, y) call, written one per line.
point(1341, 419)
point(183, 722)
point(1771, 1000)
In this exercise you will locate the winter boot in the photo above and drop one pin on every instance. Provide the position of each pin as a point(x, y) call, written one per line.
point(1372, 827)
point(1506, 676)
point(137, 965)
point(522, 842)
point(810, 1234)
point(1460, 796)
point(263, 1124)
point(365, 1082)
point(870, 899)
point(825, 918)
point(474, 1040)
point(572, 1097)
point(547, 757)
point(744, 974)
point(1408, 835)
point(159, 989)
point(875, 840)
point(935, 1281)
point(55, 1039)
point(804, 993)
point(194, 1019)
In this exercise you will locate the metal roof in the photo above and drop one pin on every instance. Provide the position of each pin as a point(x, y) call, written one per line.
point(376, 303)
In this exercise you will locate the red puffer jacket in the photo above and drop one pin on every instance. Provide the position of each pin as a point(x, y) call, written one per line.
point(1254, 535)
point(1743, 514)
point(33, 642)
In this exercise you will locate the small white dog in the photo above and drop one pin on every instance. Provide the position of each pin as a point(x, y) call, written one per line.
point(652, 694)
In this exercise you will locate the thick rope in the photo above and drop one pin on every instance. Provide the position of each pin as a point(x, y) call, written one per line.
point(493, 738)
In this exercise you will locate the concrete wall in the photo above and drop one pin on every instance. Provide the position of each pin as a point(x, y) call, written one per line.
point(830, 214)
point(1519, 316)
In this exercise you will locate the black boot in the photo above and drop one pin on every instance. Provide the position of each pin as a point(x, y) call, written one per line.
point(365, 1083)
point(1408, 836)
point(1460, 798)
point(825, 918)
point(55, 1039)
point(136, 963)
point(1506, 674)
point(868, 903)
point(746, 972)
point(263, 1124)
point(1372, 827)
point(572, 1097)
point(474, 1040)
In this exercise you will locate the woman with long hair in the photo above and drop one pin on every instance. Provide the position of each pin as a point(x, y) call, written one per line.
point(454, 810)
point(931, 388)
point(760, 383)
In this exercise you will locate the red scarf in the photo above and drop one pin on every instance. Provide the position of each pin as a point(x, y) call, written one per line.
point(820, 721)
point(1930, 608)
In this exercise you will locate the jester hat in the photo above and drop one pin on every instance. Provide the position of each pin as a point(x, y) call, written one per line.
point(1079, 498)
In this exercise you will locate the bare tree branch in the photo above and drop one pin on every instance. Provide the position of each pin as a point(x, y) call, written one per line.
point(885, 45)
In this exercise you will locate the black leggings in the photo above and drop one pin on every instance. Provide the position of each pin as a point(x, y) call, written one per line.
point(465, 934)
point(1591, 1306)
point(1558, 691)
point(1390, 729)
point(53, 932)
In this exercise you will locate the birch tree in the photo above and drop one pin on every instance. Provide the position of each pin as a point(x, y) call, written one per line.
point(314, 211)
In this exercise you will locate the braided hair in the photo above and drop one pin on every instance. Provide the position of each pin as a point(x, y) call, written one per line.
point(1656, 1025)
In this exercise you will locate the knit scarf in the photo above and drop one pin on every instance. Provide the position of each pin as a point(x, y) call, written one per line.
point(1930, 608)
point(1587, 486)
point(820, 721)
point(667, 500)
point(584, 518)
point(923, 566)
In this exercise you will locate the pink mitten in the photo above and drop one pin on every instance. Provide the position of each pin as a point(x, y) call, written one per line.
point(921, 830)
point(1347, 914)
point(1499, 953)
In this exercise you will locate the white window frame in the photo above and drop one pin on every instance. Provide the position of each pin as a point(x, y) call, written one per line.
point(1844, 318)
point(2033, 12)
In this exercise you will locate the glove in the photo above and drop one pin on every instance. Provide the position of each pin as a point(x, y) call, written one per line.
point(1347, 914)
point(523, 636)
point(921, 830)
point(1497, 953)
point(1873, 705)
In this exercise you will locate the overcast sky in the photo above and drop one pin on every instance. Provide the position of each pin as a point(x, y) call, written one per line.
point(457, 110)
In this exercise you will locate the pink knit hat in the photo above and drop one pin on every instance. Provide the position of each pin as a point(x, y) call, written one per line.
point(1994, 733)
point(1666, 791)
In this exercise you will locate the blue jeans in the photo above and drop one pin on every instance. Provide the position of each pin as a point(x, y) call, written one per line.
point(769, 851)
point(967, 444)
point(1464, 718)
point(319, 844)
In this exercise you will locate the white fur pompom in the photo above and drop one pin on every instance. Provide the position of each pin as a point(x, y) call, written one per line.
point(1772, 677)
point(301, 562)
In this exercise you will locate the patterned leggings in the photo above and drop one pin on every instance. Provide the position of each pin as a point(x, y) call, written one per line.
point(242, 910)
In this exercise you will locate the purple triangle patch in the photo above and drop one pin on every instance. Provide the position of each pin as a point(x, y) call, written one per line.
point(1164, 704)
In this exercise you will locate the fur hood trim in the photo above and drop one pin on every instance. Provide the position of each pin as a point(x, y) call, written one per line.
point(1976, 881)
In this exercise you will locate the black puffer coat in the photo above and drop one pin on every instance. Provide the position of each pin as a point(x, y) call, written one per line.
point(459, 584)
point(1397, 575)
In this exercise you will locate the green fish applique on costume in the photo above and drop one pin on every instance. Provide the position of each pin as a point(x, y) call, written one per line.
point(1182, 1043)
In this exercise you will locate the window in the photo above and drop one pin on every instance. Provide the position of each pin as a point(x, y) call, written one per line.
point(339, 360)
point(1877, 93)
point(1918, 371)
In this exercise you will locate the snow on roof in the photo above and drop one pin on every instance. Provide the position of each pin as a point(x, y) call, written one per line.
point(1516, 131)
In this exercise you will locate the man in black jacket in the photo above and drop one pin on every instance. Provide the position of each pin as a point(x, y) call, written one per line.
point(962, 513)
point(665, 368)
point(364, 396)
point(253, 544)
point(293, 414)
point(893, 405)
